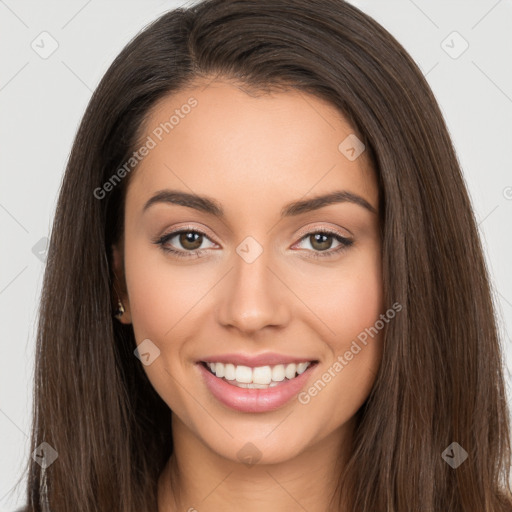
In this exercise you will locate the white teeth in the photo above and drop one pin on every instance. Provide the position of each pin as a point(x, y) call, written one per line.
point(229, 371)
point(301, 367)
point(259, 377)
point(251, 385)
point(278, 373)
point(218, 369)
point(243, 374)
point(290, 371)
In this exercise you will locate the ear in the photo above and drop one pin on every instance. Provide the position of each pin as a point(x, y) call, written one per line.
point(120, 291)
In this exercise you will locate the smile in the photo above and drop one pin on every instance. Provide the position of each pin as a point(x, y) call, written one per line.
point(259, 377)
point(255, 389)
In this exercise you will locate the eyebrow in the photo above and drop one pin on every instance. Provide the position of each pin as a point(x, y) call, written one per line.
point(212, 207)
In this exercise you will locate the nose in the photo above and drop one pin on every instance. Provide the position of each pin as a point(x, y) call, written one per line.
point(253, 297)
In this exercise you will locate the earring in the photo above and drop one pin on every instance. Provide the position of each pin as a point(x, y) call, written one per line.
point(120, 309)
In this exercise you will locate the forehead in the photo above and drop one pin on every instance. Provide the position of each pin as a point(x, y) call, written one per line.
point(264, 149)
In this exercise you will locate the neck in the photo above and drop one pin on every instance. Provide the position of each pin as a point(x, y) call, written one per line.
point(197, 479)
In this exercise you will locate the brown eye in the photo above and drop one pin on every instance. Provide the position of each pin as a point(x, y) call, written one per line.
point(321, 241)
point(190, 240)
point(184, 243)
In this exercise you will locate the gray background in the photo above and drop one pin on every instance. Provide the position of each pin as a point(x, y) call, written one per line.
point(43, 99)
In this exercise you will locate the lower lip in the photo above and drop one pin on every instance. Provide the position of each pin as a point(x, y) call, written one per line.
point(254, 400)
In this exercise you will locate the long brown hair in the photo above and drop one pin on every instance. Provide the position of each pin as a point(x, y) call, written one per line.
point(441, 377)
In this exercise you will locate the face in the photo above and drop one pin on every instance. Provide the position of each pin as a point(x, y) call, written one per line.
point(240, 274)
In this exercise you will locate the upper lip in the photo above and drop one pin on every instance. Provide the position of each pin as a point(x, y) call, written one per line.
point(265, 359)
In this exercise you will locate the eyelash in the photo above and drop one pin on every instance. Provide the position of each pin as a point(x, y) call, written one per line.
point(345, 243)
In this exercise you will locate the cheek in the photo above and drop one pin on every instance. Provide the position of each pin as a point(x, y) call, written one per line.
point(159, 297)
point(351, 309)
point(160, 293)
point(349, 299)
point(360, 302)
point(359, 341)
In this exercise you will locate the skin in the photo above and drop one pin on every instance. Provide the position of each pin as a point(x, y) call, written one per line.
point(253, 154)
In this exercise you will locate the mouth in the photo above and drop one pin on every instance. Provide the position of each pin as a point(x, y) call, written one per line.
point(258, 377)
point(255, 389)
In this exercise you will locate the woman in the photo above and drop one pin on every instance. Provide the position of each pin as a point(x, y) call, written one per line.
point(265, 195)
